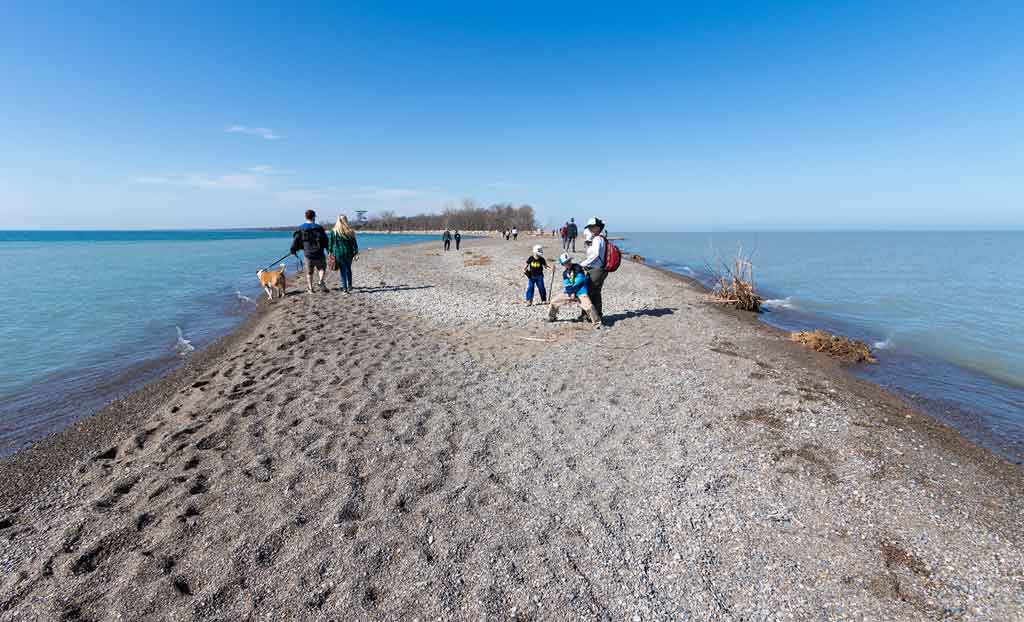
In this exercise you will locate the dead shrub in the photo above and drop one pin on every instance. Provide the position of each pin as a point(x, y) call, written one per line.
point(734, 283)
point(844, 348)
point(638, 258)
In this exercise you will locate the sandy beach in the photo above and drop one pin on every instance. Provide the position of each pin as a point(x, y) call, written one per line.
point(429, 448)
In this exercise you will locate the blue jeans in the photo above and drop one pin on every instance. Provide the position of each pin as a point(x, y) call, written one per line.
point(345, 272)
point(537, 281)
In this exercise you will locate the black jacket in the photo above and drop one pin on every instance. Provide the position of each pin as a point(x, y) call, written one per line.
point(311, 239)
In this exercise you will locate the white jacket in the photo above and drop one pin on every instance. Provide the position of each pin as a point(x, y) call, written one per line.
point(595, 253)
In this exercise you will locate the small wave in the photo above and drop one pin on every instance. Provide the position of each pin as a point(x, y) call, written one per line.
point(242, 298)
point(183, 346)
point(785, 303)
point(687, 270)
point(883, 345)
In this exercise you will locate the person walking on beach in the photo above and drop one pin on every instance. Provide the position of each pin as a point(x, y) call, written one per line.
point(447, 238)
point(571, 231)
point(534, 271)
point(564, 233)
point(458, 239)
point(311, 239)
point(515, 233)
point(597, 248)
point(576, 289)
point(342, 245)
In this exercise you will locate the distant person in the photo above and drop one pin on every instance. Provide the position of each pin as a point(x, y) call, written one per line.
point(515, 233)
point(342, 245)
point(564, 233)
point(507, 234)
point(311, 239)
point(571, 232)
point(534, 271)
point(597, 248)
point(446, 237)
point(576, 289)
point(458, 239)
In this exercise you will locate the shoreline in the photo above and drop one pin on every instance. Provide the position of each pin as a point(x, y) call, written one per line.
point(832, 448)
point(970, 423)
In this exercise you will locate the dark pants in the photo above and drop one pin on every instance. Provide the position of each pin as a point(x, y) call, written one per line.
point(458, 242)
point(538, 282)
point(447, 244)
point(596, 276)
point(573, 241)
point(345, 273)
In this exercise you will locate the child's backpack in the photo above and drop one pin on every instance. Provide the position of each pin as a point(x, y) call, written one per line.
point(612, 257)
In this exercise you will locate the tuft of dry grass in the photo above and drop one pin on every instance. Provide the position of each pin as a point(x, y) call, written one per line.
point(849, 350)
point(734, 284)
point(482, 260)
point(638, 258)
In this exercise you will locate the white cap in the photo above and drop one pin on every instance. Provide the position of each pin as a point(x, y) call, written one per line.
point(564, 258)
point(595, 221)
point(538, 250)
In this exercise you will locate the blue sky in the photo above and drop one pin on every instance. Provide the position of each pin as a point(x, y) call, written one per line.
point(673, 116)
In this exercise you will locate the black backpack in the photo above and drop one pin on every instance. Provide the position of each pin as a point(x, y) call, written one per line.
point(311, 240)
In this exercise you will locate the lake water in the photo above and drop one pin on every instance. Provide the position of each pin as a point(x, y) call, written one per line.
point(944, 311)
point(93, 315)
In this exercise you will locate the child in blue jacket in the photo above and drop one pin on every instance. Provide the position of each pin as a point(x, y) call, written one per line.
point(575, 280)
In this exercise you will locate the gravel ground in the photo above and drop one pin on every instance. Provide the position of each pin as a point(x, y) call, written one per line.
point(429, 448)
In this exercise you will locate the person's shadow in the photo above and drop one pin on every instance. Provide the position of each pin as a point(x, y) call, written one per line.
point(375, 289)
point(611, 320)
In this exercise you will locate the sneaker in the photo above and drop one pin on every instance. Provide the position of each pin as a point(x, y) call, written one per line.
point(323, 287)
point(529, 303)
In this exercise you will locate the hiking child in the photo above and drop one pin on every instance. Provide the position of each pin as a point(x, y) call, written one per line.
point(447, 238)
point(571, 231)
point(576, 289)
point(594, 263)
point(534, 271)
point(311, 239)
point(458, 239)
point(343, 247)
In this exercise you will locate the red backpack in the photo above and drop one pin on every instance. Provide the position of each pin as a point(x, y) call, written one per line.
point(612, 257)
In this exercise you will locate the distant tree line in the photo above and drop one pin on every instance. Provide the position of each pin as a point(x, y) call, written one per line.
point(470, 216)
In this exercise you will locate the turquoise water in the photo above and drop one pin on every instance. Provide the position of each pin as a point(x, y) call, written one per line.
point(91, 315)
point(943, 310)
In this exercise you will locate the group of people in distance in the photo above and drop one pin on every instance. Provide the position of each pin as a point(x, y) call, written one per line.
point(447, 238)
point(582, 282)
point(334, 251)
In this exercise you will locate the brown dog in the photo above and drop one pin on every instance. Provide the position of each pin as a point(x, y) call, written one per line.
point(273, 282)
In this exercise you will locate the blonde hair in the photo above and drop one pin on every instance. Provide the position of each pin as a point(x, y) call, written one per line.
point(342, 227)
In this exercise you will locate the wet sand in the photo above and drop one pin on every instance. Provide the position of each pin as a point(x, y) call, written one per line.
point(428, 448)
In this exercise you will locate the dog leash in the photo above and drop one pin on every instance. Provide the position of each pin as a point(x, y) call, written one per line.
point(276, 261)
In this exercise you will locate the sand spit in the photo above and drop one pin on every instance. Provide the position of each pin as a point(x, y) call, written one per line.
point(422, 450)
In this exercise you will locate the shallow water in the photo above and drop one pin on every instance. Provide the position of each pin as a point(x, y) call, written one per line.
point(92, 315)
point(943, 310)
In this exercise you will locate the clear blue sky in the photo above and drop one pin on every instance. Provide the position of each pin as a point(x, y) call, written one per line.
point(756, 115)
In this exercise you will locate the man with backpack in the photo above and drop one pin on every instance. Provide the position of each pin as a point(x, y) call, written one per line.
point(571, 232)
point(602, 258)
point(311, 239)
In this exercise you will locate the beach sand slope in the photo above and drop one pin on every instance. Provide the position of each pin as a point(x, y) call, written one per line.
point(429, 448)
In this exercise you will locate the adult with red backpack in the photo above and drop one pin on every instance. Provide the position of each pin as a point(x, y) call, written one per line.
point(602, 257)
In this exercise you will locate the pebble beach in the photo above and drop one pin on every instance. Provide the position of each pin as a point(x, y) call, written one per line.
point(430, 448)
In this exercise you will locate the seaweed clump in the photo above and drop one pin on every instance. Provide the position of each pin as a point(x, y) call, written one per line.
point(844, 348)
